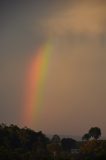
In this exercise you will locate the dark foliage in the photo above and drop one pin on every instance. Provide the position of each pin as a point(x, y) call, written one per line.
point(25, 144)
point(21, 143)
point(68, 144)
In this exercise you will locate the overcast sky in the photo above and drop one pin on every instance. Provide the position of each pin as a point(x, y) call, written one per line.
point(75, 95)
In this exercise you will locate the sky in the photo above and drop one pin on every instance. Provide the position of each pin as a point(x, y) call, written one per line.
point(75, 93)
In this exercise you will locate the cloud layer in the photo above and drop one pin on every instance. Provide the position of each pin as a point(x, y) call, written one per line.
point(86, 17)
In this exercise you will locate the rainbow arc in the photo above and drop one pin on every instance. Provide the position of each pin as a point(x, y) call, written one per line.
point(35, 84)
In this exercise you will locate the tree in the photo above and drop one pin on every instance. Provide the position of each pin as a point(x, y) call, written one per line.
point(68, 144)
point(95, 132)
point(86, 136)
point(55, 146)
point(93, 149)
point(56, 139)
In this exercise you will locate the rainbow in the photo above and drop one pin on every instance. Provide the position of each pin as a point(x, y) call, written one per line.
point(35, 83)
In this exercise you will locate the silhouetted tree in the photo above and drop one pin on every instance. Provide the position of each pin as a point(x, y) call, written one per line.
point(86, 136)
point(54, 146)
point(26, 144)
point(68, 144)
point(55, 139)
point(93, 149)
point(95, 132)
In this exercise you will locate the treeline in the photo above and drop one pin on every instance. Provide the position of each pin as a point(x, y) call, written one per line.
point(26, 144)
